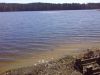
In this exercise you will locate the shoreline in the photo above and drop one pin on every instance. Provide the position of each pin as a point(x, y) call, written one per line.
point(61, 51)
point(57, 66)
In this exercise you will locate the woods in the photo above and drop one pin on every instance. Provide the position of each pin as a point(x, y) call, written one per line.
point(46, 6)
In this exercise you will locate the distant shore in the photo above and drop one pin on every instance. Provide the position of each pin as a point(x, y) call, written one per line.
point(7, 7)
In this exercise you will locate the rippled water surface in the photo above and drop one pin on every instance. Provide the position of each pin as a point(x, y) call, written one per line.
point(26, 32)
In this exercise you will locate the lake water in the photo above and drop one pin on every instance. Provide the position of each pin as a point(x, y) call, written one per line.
point(26, 32)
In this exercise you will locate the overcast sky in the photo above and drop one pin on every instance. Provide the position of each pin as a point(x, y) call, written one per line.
point(49, 1)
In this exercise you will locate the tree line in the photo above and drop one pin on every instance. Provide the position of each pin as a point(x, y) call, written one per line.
point(46, 6)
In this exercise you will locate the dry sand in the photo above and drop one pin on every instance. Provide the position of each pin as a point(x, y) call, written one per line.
point(36, 58)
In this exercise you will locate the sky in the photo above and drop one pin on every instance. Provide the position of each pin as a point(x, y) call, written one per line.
point(50, 1)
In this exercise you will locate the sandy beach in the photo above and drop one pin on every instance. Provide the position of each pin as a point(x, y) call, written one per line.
point(73, 50)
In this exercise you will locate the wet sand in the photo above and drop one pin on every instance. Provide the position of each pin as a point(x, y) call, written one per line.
point(37, 57)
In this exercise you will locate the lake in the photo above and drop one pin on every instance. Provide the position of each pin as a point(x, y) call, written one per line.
point(23, 33)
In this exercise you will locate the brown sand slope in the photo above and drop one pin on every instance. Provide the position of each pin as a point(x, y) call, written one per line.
point(62, 66)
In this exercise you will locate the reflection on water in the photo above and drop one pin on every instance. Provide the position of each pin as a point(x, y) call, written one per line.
point(26, 32)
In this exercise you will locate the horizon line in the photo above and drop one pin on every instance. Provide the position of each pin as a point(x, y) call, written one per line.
point(47, 2)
